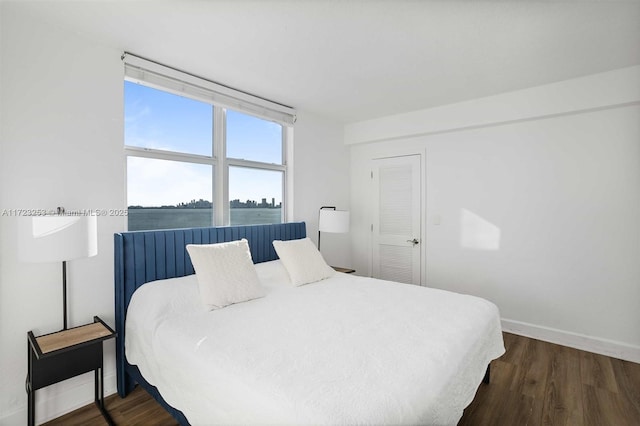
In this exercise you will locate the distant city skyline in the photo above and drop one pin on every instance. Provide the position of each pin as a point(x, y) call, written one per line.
point(206, 204)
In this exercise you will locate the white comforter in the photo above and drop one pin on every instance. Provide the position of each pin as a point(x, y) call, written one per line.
point(347, 350)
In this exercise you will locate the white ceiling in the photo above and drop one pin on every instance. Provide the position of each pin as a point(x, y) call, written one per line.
point(356, 60)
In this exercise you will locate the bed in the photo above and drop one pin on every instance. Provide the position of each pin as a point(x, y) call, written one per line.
point(340, 350)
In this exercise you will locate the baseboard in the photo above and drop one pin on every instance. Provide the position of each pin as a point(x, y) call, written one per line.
point(15, 418)
point(583, 342)
point(61, 398)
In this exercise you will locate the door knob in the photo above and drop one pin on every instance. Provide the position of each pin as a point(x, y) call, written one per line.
point(414, 241)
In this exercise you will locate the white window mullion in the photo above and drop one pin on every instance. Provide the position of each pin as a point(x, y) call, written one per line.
point(167, 155)
point(287, 193)
point(254, 164)
point(216, 158)
point(221, 174)
point(283, 211)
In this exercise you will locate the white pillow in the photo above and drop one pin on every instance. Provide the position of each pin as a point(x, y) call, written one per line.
point(225, 273)
point(303, 261)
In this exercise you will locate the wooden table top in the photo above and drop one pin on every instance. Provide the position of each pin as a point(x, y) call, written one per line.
point(73, 336)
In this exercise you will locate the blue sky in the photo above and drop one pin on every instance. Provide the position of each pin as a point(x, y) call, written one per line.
point(160, 120)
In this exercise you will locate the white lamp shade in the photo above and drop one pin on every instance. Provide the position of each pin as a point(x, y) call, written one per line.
point(57, 238)
point(333, 221)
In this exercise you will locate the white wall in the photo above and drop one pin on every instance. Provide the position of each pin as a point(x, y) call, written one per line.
point(61, 138)
point(558, 193)
point(321, 179)
point(62, 128)
point(617, 87)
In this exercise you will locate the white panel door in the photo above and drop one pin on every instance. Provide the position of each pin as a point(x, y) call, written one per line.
point(396, 209)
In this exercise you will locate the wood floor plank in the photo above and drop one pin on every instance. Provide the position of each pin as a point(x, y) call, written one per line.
point(597, 371)
point(606, 408)
point(562, 403)
point(627, 376)
point(523, 410)
point(488, 405)
point(138, 408)
point(534, 367)
point(514, 346)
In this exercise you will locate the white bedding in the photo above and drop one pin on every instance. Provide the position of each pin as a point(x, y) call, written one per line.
point(346, 350)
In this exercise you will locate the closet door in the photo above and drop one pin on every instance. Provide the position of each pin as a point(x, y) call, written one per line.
point(397, 249)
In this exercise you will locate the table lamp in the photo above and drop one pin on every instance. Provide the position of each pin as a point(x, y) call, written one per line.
point(332, 220)
point(58, 238)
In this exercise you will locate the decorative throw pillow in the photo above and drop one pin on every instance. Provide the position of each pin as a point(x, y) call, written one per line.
point(303, 261)
point(225, 273)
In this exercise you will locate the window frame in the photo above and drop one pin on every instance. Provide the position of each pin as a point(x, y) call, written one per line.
point(249, 164)
point(219, 161)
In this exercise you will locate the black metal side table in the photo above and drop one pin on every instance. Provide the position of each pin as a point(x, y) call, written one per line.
point(64, 354)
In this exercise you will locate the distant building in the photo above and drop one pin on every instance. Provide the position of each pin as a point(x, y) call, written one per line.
point(204, 204)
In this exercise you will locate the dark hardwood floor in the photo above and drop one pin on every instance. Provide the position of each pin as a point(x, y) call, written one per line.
point(534, 383)
point(137, 409)
point(539, 383)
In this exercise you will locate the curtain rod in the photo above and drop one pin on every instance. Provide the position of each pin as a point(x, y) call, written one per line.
point(125, 54)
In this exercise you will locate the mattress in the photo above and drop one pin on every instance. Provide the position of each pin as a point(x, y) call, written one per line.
point(345, 350)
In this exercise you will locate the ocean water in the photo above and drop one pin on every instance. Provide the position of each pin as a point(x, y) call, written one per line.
point(144, 219)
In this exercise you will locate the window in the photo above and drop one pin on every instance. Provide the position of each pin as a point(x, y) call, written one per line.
point(251, 138)
point(168, 194)
point(159, 120)
point(247, 209)
point(196, 156)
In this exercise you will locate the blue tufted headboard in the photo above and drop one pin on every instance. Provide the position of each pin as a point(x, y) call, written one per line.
point(144, 256)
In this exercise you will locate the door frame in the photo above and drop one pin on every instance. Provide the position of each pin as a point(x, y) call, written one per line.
point(423, 222)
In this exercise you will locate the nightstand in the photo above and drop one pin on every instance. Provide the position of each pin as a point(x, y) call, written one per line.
point(59, 356)
point(345, 270)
